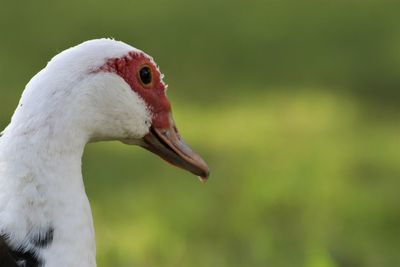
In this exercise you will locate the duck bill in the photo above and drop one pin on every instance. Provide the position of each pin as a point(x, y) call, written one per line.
point(168, 144)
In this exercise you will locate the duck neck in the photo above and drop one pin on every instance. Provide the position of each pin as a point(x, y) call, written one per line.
point(43, 205)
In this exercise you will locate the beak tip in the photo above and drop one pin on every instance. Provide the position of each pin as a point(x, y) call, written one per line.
point(204, 177)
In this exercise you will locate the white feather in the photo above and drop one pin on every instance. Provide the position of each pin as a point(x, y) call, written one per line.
point(63, 107)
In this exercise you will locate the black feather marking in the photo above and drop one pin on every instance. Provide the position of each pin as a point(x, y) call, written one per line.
point(10, 257)
point(43, 240)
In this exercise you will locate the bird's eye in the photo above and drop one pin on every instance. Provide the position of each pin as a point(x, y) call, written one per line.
point(145, 75)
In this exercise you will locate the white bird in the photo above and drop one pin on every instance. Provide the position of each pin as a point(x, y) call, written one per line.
point(98, 90)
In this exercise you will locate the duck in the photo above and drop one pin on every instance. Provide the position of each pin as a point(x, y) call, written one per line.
point(98, 90)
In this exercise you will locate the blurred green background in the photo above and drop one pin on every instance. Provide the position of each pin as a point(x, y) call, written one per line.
point(294, 104)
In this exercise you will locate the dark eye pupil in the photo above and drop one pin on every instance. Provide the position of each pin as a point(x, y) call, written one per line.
point(145, 75)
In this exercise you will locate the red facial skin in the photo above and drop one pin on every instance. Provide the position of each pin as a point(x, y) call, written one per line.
point(128, 68)
point(163, 138)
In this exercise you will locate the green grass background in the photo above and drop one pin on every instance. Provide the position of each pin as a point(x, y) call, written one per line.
point(294, 104)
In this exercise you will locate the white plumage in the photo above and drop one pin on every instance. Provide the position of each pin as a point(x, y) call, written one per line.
point(66, 105)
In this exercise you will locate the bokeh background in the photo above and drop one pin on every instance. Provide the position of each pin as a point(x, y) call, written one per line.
point(294, 104)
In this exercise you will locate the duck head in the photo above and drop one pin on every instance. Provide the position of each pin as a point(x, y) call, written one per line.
point(108, 90)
